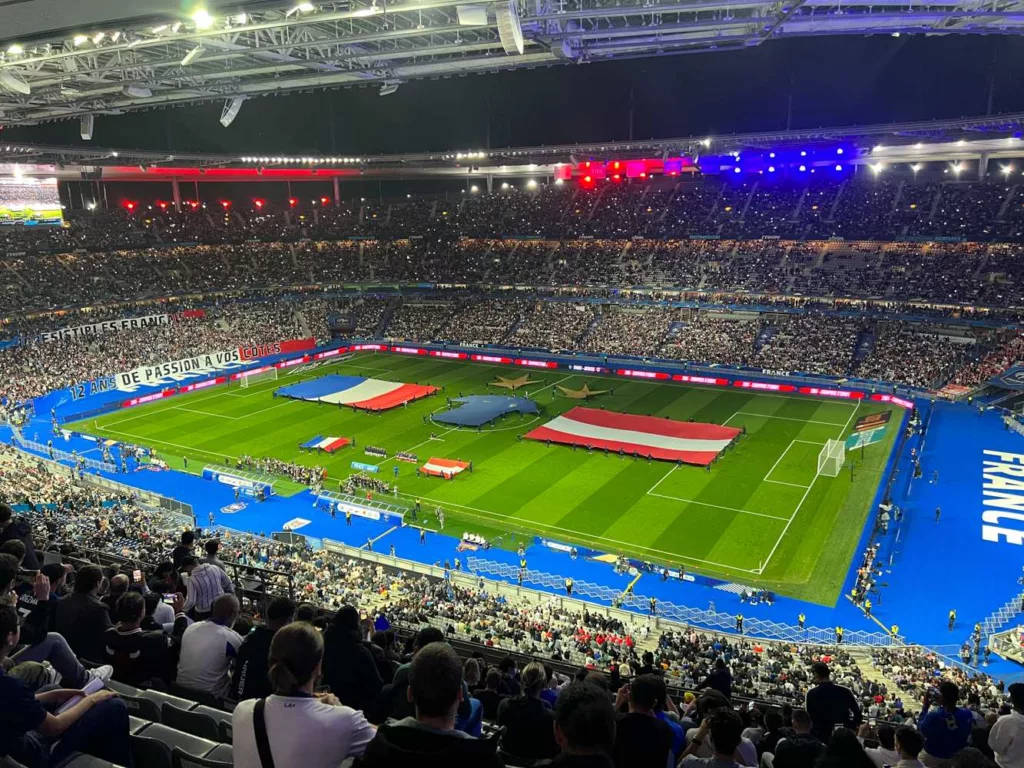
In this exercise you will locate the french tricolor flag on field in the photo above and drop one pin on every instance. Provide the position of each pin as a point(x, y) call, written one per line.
point(326, 444)
point(641, 435)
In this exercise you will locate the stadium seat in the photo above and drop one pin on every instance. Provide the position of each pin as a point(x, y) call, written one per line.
point(137, 724)
point(165, 698)
point(222, 752)
point(193, 722)
point(150, 752)
point(10, 762)
point(193, 745)
point(193, 694)
point(182, 759)
point(146, 709)
point(222, 719)
point(123, 689)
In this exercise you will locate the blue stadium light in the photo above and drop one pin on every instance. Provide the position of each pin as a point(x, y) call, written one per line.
point(771, 169)
point(839, 151)
point(771, 154)
point(839, 167)
point(736, 169)
point(803, 153)
point(803, 168)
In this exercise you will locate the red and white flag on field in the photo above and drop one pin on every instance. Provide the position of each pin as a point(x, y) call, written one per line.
point(642, 435)
point(444, 467)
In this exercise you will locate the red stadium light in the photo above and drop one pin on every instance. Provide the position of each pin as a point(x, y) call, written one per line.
point(588, 179)
point(225, 204)
point(292, 202)
point(130, 205)
point(324, 200)
point(194, 204)
point(258, 202)
point(162, 204)
point(616, 177)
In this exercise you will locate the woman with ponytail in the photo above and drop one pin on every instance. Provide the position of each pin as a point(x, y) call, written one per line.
point(300, 728)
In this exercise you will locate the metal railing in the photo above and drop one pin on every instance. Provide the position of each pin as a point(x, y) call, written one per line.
point(666, 611)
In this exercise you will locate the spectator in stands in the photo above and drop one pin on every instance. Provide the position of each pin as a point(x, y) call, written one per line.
point(212, 548)
point(208, 648)
point(844, 751)
point(719, 679)
point(35, 737)
point(249, 679)
point(184, 548)
point(909, 744)
point(117, 586)
point(584, 727)
point(489, 696)
point(393, 701)
point(16, 529)
point(830, 705)
point(1007, 736)
point(946, 729)
point(885, 753)
point(641, 739)
point(436, 690)
point(774, 730)
point(82, 618)
point(528, 721)
point(800, 750)
point(709, 702)
point(204, 583)
point(137, 656)
point(349, 668)
point(42, 644)
point(723, 730)
point(302, 730)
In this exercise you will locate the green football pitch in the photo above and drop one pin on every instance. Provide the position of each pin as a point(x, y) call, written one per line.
point(761, 516)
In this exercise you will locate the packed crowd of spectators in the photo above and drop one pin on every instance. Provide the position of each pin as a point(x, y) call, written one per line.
point(553, 325)
point(216, 641)
point(811, 343)
point(933, 361)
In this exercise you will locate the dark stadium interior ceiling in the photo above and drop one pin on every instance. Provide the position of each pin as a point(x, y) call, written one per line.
point(991, 138)
point(68, 61)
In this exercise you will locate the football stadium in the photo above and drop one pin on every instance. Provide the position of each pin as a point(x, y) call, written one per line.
point(358, 412)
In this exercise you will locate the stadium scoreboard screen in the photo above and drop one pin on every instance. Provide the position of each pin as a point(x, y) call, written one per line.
point(29, 202)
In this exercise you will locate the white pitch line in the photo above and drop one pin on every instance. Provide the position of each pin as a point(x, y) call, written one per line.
point(139, 415)
point(493, 517)
point(155, 441)
point(663, 479)
point(806, 493)
point(203, 413)
point(782, 482)
point(786, 418)
point(717, 506)
point(779, 460)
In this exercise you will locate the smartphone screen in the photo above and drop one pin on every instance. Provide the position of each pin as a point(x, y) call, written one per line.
point(169, 598)
point(137, 575)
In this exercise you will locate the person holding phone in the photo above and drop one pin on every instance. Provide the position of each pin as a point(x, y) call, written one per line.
point(136, 655)
point(37, 734)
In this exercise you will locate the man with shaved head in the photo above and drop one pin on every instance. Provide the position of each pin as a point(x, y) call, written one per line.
point(208, 648)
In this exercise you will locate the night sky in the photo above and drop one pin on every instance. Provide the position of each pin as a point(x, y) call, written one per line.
point(832, 81)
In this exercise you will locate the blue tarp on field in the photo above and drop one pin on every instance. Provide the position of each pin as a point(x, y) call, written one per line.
point(317, 388)
point(477, 410)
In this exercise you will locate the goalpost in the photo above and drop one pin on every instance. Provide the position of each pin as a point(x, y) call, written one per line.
point(248, 379)
point(832, 458)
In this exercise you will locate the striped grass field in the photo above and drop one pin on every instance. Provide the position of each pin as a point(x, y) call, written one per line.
point(761, 515)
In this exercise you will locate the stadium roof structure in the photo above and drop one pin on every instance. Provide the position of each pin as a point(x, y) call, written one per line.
point(966, 139)
point(61, 60)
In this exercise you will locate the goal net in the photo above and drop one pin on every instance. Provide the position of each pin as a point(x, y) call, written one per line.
point(831, 458)
point(249, 379)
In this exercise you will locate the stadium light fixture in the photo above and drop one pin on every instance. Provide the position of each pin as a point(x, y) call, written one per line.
point(803, 168)
point(839, 168)
point(202, 18)
point(771, 155)
point(915, 167)
point(531, 184)
point(736, 169)
point(79, 40)
point(877, 168)
point(305, 7)
point(957, 168)
point(292, 201)
point(771, 169)
point(474, 189)
point(839, 151)
point(258, 202)
point(1006, 169)
point(504, 185)
point(98, 38)
point(15, 50)
point(559, 182)
point(803, 153)
point(225, 204)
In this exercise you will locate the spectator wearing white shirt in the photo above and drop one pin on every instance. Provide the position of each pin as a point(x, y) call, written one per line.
point(208, 647)
point(205, 582)
point(1007, 736)
point(302, 730)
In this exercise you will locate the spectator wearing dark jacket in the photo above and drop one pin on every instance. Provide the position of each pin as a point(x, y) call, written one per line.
point(528, 721)
point(584, 728)
point(429, 738)
point(720, 679)
point(250, 680)
point(137, 656)
point(81, 618)
point(349, 667)
point(830, 705)
point(800, 750)
point(641, 739)
point(489, 696)
point(16, 529)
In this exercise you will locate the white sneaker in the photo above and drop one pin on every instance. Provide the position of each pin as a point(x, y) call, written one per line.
point(52, 675)
point(103, 673)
